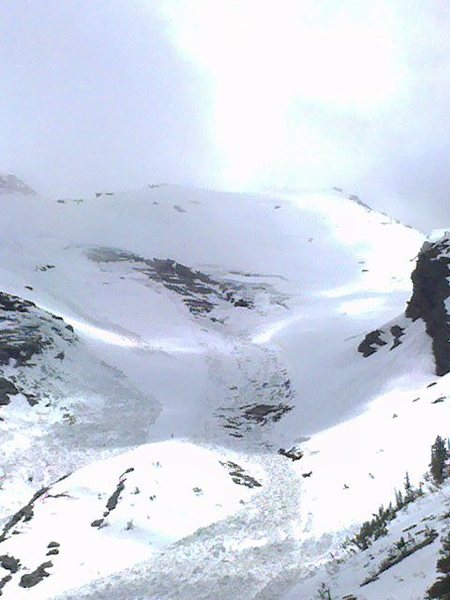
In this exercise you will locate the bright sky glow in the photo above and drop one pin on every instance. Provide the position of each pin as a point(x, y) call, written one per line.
point(236, 94)
point(271, 63)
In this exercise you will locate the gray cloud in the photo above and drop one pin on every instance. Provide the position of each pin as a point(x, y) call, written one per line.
point(109, 94)
point(93, 95)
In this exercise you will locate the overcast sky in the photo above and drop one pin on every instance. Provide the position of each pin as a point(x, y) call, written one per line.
point(240, 94)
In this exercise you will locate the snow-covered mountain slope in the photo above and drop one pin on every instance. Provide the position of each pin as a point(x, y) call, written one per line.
point(120, 511)
point(400, 565)
point(210, 330)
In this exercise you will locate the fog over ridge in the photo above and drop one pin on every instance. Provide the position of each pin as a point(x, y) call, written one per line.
point(248, 95)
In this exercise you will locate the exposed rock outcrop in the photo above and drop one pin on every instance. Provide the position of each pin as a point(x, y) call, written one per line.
point(369, 344)
point(430, 301)
point(430, 298)
point(201, 293)
point(31, 579)
point(239, 476)
point(7, 389)
point(29, 336)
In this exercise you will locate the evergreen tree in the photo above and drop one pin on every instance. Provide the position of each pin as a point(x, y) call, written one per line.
point(441, 588)
point(409, 492)
point(399, 502)
point(438, 460)
point(323, 593)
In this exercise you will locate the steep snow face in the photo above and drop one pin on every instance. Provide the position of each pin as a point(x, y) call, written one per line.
point(212, 329)
point(49, 382)
point(117, 512)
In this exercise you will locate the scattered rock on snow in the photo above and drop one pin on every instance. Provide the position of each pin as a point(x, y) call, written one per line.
point(32, 579)
point(293, 453)
point(397, 332)
point(7, 389)
point(10, 563)
point(378, 338)
point(113, 500)
point(26, 512)
point(4, 581)
point(28, 333)
point(368, 346)
point(439, 400)
point(200, 292)
point(239, 476)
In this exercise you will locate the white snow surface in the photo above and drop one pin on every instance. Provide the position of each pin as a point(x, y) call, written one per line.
point(154, 387)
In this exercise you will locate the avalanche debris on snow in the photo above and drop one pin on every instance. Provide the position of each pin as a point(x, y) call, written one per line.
point(201, 334)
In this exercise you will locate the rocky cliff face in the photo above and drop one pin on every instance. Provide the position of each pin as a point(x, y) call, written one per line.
point(430, 301)
point(10, 184)
point(431, 298)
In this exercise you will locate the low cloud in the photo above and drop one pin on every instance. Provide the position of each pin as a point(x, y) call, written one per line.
point(241, 95)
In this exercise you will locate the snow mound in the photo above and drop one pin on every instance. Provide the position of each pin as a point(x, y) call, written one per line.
point(114, 513)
